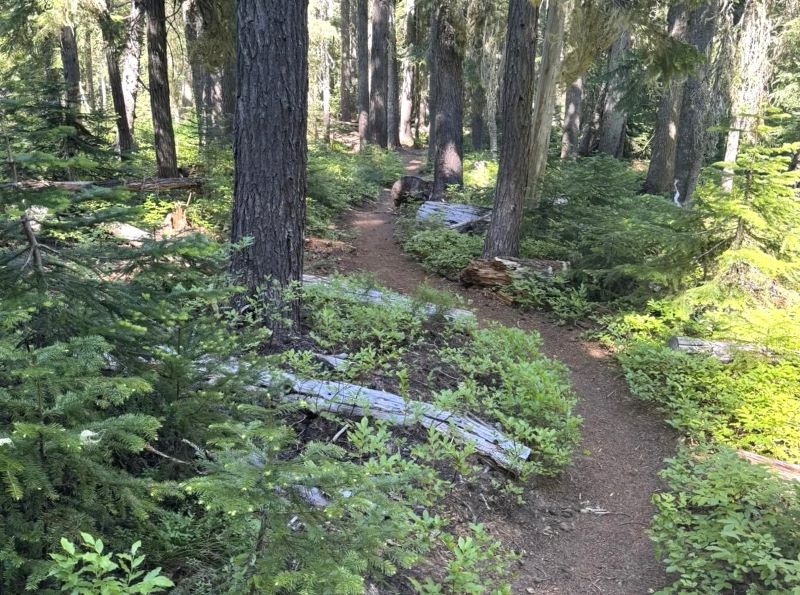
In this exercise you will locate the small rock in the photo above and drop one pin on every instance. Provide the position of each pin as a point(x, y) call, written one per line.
point(565, 526)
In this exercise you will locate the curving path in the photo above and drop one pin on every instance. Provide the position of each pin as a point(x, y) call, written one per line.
point(603, 549)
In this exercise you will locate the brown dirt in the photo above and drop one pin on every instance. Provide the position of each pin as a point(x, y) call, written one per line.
point(615, 470)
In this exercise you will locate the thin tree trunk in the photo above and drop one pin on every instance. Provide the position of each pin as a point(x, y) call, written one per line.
point(325, 84)
point(752, 70)
point(573, 104)
point(193, 27)
point(546, 83)
point(692, 135)
point(362, 55)
point(612, 122)
point(477, 18)
point(158, 77)
point(88, 69)
point(447, 80)
point(408, 84)
point(71, 68)
point(513, 177)
point(228, 94)
point(346, 65)
point(270, 148)
point(661, 171)
point(379, 73)
point(131, 60)
point(588, 143)
point(392, 89)
point(124, 136)
point(104, 96)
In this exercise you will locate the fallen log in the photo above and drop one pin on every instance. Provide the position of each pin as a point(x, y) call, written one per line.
point(323, 246)
point(458, 217)
point(411, 188)
point(357, 401)
point(499, 272)
point(722, 350)
point(149, 185)
point(373, 296)
point(787, 471)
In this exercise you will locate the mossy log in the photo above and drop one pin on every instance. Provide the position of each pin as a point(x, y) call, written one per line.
point(499, 272)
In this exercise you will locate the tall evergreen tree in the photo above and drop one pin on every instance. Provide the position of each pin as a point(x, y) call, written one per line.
point(379, 73)
point(270, 146)
point(346, 102)
point(362, 59)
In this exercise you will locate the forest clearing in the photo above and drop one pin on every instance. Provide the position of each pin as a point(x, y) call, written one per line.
point(400, 296)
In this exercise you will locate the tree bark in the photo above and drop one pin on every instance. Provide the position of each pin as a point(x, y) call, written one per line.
point(346, 65)
point(131, 60)
point(270, 148)
point(477, 18)
point(88, 70)
point(513, 177)
point(124, 140)
point(408, 69)
point(692, 136)
point(71, 68)
point(379, 73)
point(193, 28)
point(447, 55)
point(392, 88)
point(158, 77)
point(752, 70)
point(661, 171)
point(362, 55)
point(573, 104)
point(612, 122)
point(546, 83)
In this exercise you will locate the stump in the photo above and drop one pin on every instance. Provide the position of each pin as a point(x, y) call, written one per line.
point(410, 188)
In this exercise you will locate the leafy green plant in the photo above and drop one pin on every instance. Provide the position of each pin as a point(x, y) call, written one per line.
point(94, 571)
point(726, 526)
point(442, 250)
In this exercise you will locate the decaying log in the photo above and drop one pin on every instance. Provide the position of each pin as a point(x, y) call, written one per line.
point(334, 362)
point(357, 401)
point(410, 188)
point(323, 246)
point(149, 185)
point(373, 296)
point(463, 218)
point(787, 471)
point(723, 351)
point(499, 272)
point(129, 233)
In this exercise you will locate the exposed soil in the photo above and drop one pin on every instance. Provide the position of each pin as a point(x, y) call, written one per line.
point(603, 549)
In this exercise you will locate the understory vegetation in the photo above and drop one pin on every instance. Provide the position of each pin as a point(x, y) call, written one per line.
point(643, 271)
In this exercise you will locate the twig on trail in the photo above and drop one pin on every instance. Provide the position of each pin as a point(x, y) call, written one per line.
point(485, 502)
point(338, 434)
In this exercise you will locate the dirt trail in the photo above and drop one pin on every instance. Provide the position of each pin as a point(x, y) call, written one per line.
point(615, 469)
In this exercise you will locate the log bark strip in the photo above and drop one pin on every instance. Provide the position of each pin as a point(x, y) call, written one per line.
point(463, 218)
point(499, 272)
point(356, 401)
point(722, 350)
point(786, 471)
point(150, 185)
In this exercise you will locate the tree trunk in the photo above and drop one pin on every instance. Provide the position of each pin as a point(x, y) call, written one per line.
point(379, 73)
point(612, 122)
point(573, 104)
point(193, 28)
point(158, 77)
point(270, 148)
point(392, 89)
point(124, 137)
point(477, 18)
point(88, 70)
point(346, 65)
point(588, 143)
point(546, 83)
point(513, 177)
point(752, 70)
point(71, 68)
point(447, 47)
point(131, 60)
point(362, 55)
point(661, 172)
point(692, 136)
point(408, 69)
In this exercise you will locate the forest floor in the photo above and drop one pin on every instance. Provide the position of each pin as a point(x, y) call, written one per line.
point(584, 531)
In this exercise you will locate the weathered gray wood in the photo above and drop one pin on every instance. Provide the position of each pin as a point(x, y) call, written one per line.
point(454, 216)
point(787, 471)
point(498, 272)
point(148, 185)
point(357, 401)
point(334, 362)
point(722, 350)
point(373, 296)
